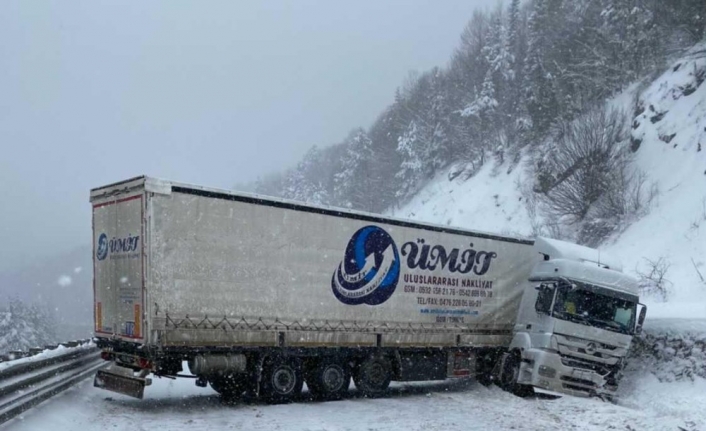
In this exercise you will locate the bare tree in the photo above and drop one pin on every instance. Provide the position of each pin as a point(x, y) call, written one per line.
point(585, 179)
point(653, 280)
point(585, 158)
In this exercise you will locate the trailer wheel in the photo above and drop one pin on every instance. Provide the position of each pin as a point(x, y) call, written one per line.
point(510, 373)
point(329, 380)
point(232, 386)
point(485, 365)
point(282, 379)
point(373, 375)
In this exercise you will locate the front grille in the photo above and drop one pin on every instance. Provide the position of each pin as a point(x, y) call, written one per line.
point(601, 357)
point(578, 381)
point(596, 354)
point(585, 365)
point(582, 341)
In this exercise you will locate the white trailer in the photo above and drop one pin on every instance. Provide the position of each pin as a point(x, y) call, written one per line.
point(261, 294)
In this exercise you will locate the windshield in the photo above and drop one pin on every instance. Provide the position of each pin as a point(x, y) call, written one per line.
point(594, 306)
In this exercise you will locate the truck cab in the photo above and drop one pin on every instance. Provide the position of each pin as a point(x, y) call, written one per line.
point(578, 315)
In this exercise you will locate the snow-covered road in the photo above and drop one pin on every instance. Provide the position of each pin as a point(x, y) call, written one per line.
point(442, 406)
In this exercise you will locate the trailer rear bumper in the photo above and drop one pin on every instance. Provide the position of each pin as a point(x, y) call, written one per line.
point(121, 380)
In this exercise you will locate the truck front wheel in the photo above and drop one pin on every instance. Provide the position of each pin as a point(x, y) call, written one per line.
point(373, 375)
point(328, 379)
point(282, 379)
point(509, 374)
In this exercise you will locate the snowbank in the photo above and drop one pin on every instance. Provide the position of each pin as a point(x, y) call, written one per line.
point(671, 351)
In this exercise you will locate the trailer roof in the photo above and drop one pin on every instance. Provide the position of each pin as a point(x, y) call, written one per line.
point(118, 183)
point(166, 187)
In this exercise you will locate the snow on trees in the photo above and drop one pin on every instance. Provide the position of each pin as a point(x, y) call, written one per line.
point(539, 89)
point(23, 326)
point(518, 74)
point(305, 183)
point(353, 185)
point(424, 144)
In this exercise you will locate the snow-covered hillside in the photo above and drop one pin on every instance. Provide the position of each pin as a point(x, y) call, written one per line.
point(489, 201)
point(668, 122)
point(672, 152)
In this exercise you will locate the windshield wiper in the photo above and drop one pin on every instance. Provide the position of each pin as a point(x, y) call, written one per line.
point(592, 321)
point(572, 316)
point(610, 323)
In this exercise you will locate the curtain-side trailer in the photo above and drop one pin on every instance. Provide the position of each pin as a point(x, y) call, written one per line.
point(259, 295)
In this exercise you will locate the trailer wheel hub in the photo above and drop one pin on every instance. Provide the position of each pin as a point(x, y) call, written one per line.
point(333, 378)
point(284, 379)
point(377, 373)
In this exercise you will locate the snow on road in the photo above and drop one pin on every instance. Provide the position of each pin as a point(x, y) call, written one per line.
point(447, 406)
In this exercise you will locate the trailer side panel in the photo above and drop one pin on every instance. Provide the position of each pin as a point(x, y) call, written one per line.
point(226, 271)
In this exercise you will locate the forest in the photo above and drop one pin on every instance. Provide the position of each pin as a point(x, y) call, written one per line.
point(528, 81)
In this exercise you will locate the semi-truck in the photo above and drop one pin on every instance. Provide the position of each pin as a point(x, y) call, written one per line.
point(258, 296)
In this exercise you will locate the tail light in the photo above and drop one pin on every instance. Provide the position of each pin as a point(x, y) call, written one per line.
point(106, 356)
point(144, 363)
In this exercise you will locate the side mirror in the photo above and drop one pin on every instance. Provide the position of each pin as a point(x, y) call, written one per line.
point(641, 319)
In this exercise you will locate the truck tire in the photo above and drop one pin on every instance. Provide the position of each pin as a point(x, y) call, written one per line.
point(329, 379)
point(509, 374)
point(232, 386)
point(485, 365)
point(282, 379)
point(372, 376)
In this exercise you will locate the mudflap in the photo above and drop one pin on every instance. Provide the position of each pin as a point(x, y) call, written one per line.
point(121, 380)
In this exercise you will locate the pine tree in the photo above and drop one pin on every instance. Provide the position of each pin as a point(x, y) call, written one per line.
point(680, 22)
point(23, 326)
point(497, 51)
point(542, 104)
point(383, 135)
point(412, 167)
point(424, 147)
point(438, 122)
point(515, 49)
point(353, 185)
point(514, 110)
point(294, 184)
point(630, 32)
point(271, 185)
point(485, 105)
point(469, 58)
point(304, 183)
point(513, 34)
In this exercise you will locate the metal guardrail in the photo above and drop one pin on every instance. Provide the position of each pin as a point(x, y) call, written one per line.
point(26, 383)
point(14, 355)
